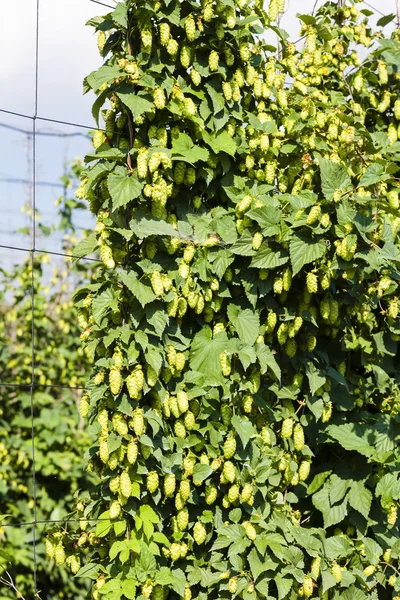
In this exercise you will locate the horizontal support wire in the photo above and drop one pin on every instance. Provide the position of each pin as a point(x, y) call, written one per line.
point(44, 133)
point(28, 386)
point(66, 520)
point(39, 251)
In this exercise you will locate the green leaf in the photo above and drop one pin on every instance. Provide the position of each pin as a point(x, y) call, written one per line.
point(90, 571)
point(217, 99)
point(267, 360)
point(137, 103)
point(143, 293)
point(102, 303)
point(337, 546)
point(304, 250)
point(129, 588)
point(245, 322)
point(148, 514)
point(244, 429)
point(201, 472)
point(85, 246)
point(284, 586)
point(105, 74)
point(360, 498)
point(266, 258)
point(222, 142)
point(333, 178)
point(144, 228)
point(267, 217)
point(205, 351)
point(373, 174)
point(350, 437)
point(123, 188)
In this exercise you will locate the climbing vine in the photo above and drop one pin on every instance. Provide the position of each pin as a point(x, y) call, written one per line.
point(244, 327)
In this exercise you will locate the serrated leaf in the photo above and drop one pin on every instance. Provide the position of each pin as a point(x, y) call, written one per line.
point(123, 188)
point(304, 250)
point(102, 303)
point(360, 498)
point(350, 437)
point(201, 472)
point(373, 174)
point(90, 571)
point(333, 178)
point(137, 103)
point(267, 360)
point(144, 228)
point(267, 258)
point(244, 429)
point(222, 142)
point(143, 293)
point(245, 322)
point(205, 351)
point(85, 246)
point(284, 586)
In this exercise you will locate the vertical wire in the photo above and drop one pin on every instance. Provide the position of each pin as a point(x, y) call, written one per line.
point(33, 295)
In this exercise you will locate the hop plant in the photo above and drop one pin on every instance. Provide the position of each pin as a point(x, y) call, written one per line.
point(287, 428)
point(199, 533)
point(229, 447)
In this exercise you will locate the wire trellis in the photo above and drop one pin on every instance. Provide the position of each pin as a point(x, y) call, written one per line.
point(33, 385)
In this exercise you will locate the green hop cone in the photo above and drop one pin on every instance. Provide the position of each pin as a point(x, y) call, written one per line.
point(287, 428)
point(326, 412)
point(199, 533)
point(114, 484)
point(189, 420)
point(152, 482)
point(115, 509)
point(257, 240)
point(232, 585)
point(233, 493)
point(211, 493)
point(157, 283)
point(175, 552)
point(184, 489)
point(179, 429)
point(247, 493)
point(316, 567)
point(59, 554)
point(304, 470)
point(337, 572)
point(125, 484)
point(132, 452)
point(119, 424)
point(308, 587)
point(226, 414)
point(247, 403)
point(138, 424)
point(213, 60)
point(169, 485)
point(115, 381)
point(84, 406)
point(312, 283)
point(229, 471)
point(182, 519)
point(314, 214)
point(229, 447)
point(225, 363)
point(250, 530)
point(190, 28)
point(298, 437)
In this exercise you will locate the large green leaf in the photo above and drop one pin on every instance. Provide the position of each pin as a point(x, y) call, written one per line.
point(137, 103)
point(333, 177)
point(206, 350)
point(123, 187)
point(142, 292)
point(304, 250)
point(245, 322)
point(267, 258)
point(351, 436)
point(360, 498)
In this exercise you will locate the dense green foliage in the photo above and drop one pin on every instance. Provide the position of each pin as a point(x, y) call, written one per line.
point(60, 439)
point(244, 328)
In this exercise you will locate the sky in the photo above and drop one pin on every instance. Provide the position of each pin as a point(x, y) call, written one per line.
point(67, 52)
